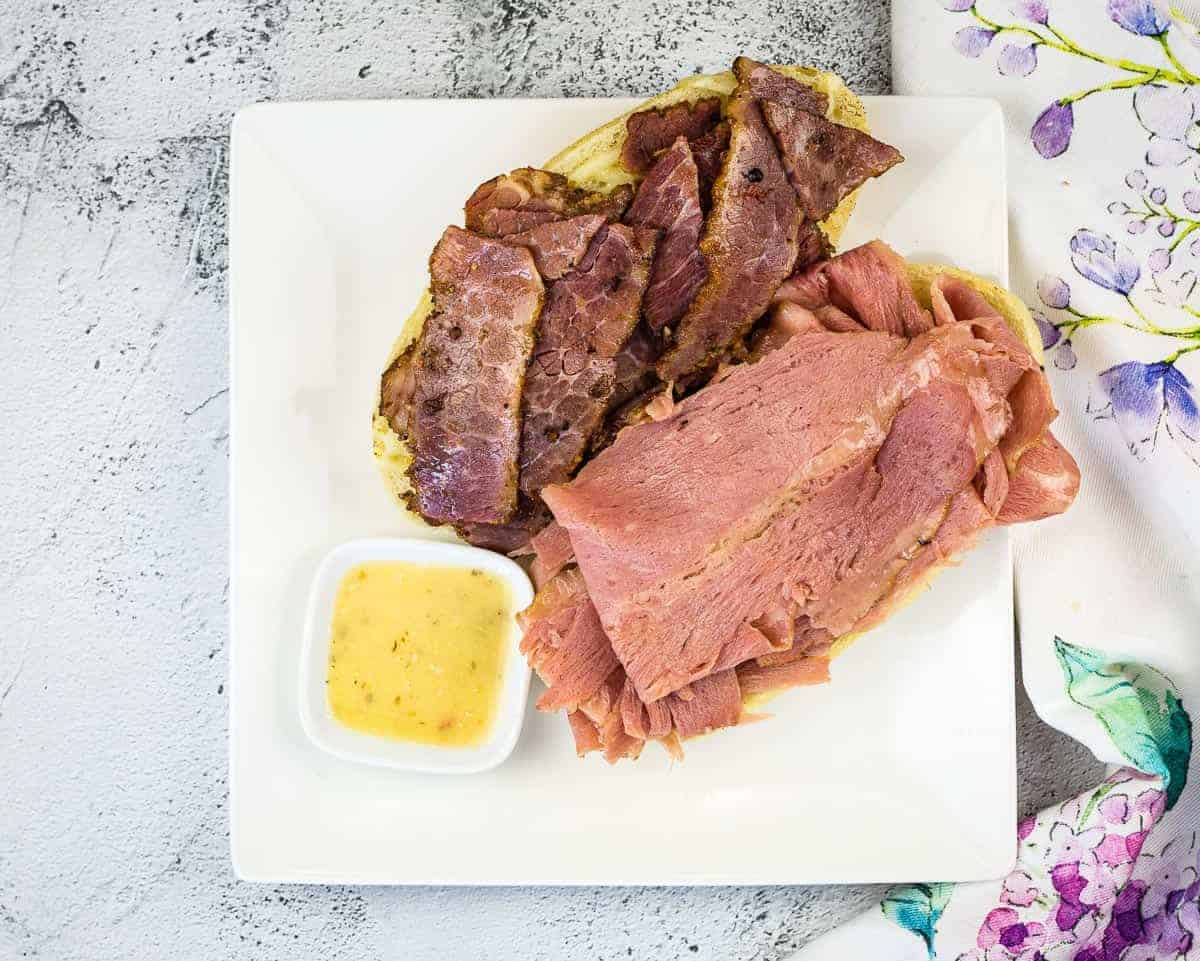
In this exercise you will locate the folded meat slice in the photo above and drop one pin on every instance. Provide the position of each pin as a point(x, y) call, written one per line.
point(755, 679)
point(558, 246)
point(588, 317)
point(708, 151)
point(521, 200)
point(585, 732)
point(967, 518)
point(1044, 483)
point(1043, 477)
point(749, 244)
point(765, 83)
point(824, 160)
point(468, 370)
point(552, 552)
point(764, 490)
point(634, 369)
point(604, 710)
point(649, 131)
point(706, 704)
point(511, 536)
point(565, 643)
point(668, 200)
point(870, 283)
point(642, 720)
point(933, 449)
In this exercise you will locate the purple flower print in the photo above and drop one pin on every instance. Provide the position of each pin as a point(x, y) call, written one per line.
point(1114, 851)
point(1139, 16)
point(1068, 847)
point(972, 41)
point(1034, 11)
point(1069, 885)
point(1051, 132)
point(1151, 803)
point(1191, 200)
point(1125, 927)
point(1188, 916)
point(1143, 397)
point(1054, 291)
point(1025, 827)
point(1168, 114)
point(958, 6)
point(1103, 261)
point(1003, 927)
point(1164, 879)
point(1017, 60)
point(1115, 809)
point(1101, 881)
point(1159, 260)
point(1019, 890)
point(1050, 334)
point(1134, 842)
point(1174, 938)
point(1065, 357)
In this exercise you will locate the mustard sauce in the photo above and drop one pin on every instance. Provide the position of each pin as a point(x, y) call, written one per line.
point(417, 653)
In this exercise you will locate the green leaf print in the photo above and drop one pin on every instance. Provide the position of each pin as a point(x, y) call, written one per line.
point(1139, 709)
point(918, 907)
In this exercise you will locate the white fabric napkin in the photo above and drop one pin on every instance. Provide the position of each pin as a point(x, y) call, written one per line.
point(1102, 103)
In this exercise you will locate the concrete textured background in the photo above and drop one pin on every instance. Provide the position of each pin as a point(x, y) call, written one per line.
point(114, 117)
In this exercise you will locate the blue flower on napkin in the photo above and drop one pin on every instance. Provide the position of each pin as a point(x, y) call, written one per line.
point(1139, 16)
point(1017, 60)
point(1103, 261)
point(972, 41)
point(1144, 397)
point(1035, 11)
point(1051, 133)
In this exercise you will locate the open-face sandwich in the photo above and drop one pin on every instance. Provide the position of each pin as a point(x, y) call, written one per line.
point(727, 450)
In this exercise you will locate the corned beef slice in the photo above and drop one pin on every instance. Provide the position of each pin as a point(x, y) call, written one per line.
point(868, 283)
point(669, 200)
point(824, 160)
point(749, 244)
point(757, 679)
point(552, 552)
point(588, 317)
point(708, 152)
point(468, 369)
point(649, 131)
point(764, 83)
point(512, 536)
point(523, 199)
point(815, 484)
point(565, 643)
point(559, 245)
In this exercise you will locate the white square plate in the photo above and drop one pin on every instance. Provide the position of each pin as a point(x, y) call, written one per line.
point(902, 768)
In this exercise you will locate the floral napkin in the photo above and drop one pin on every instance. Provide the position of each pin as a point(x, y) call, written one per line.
point(1102, 103)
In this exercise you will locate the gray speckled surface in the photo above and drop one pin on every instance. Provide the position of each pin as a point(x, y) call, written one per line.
point(113, 427)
